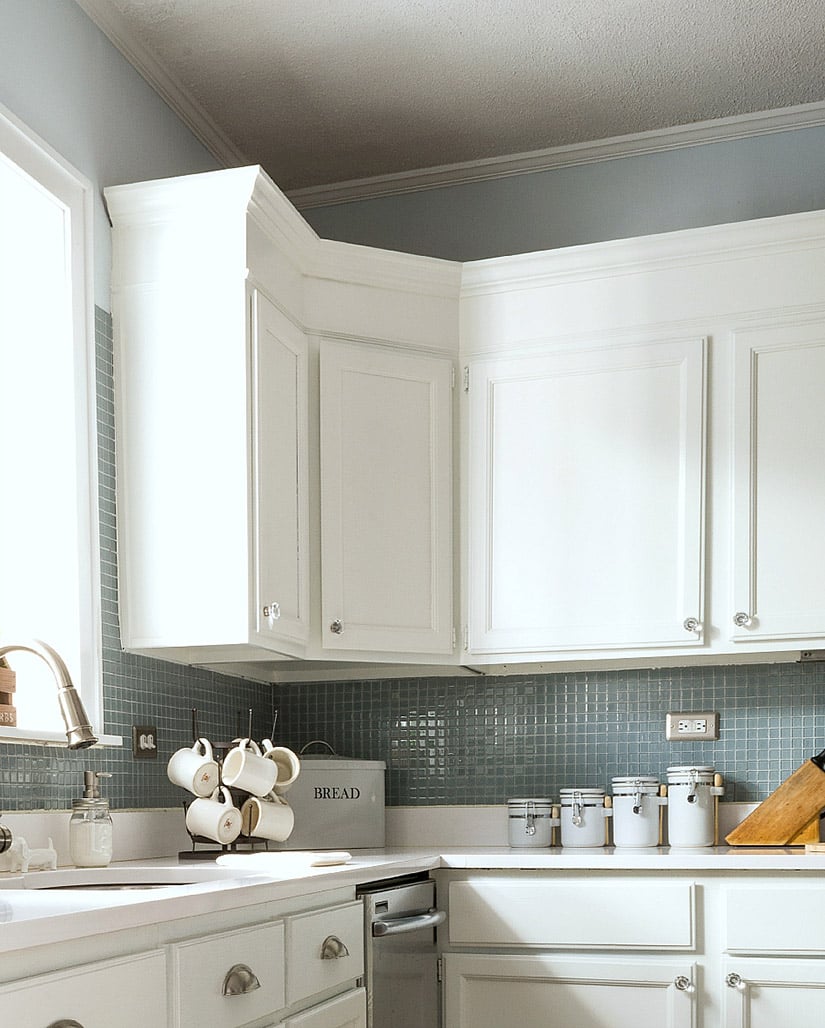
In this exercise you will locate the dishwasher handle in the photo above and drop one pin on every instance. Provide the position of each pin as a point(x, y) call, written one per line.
point(411, 923)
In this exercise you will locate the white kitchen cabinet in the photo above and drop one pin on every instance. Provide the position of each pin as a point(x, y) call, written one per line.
point(768, 993)
point(541, 991)
point(779, 484)
point(129, 992)
point(228, 979)
point(325, 950)
point(768, 927)
point(586, 484)
point(347, 1011)
point(211, 400)
point(386, 500)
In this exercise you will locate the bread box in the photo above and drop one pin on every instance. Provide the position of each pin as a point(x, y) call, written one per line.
point(338, 804)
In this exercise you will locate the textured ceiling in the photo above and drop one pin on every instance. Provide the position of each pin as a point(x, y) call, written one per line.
point(322, 91)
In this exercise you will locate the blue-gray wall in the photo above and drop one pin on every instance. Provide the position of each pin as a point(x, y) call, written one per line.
point(712, 184)
point(445, 740)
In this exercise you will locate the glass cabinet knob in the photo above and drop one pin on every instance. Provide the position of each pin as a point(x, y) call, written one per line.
point(742, 620)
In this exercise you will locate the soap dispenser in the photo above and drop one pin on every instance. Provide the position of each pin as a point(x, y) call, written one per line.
point(90, 828)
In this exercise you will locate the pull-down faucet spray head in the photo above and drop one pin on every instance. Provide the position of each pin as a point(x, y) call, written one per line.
point(78, 730)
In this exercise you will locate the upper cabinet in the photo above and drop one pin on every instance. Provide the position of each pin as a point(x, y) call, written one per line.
point(634, 473)
point(386, 500)
point(247, 349)
point(779, 486)
point(212, 423)
point(586, 499)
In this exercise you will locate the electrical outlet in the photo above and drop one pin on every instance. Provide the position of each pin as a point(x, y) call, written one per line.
point(700, 726)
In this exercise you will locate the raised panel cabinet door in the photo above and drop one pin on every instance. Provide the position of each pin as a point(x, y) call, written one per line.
point(551, 992)
point(347, 1011)
point(768, 993)
point(280, 507)
point(129, 992)
point(386, 500)
point(586, 499)
point(779, 484)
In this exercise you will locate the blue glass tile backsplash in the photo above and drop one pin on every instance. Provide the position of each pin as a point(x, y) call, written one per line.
point(459, 740)
point(445, 740)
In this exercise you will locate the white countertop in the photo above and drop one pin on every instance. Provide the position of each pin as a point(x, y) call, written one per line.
point(32, 915)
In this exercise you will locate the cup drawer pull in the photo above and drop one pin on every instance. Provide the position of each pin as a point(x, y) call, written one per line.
point(333, 949)
point(239, 981)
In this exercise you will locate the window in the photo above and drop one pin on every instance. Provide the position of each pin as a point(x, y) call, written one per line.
point(49, 561)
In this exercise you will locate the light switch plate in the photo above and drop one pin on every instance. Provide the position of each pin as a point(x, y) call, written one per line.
point(692, 726)
point(144, 742)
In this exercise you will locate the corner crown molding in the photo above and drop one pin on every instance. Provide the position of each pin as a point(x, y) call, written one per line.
point(763, 123)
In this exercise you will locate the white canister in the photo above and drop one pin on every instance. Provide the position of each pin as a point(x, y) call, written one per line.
point(691, 805)
point(636, 807)
point(583, 814)
point(530, 822)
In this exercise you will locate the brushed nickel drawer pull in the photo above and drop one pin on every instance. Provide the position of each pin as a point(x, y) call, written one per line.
point(333, 949)
point(239, 981)
point(65, 1022)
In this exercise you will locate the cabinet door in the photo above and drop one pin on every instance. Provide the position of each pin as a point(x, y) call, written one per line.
point(586, 510)
point(280, 477)
point(769, 993)
point(347, 1011)
point(551, 992)
point(386, 500)
point(779, 491)
point(129, 993)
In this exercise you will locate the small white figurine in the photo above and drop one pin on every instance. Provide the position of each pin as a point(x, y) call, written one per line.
point(42, 859)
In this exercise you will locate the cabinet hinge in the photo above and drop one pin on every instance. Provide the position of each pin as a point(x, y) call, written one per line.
point(466, 638)
point(452, 376)
point(439, 970)
point(454, 636)
point(466, 379)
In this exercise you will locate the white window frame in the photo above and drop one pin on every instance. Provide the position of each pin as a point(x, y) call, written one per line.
point(37, 159)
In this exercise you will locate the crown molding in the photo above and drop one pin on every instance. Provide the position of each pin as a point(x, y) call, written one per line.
point(642, 254)
point(112, 24)
point(744, 126)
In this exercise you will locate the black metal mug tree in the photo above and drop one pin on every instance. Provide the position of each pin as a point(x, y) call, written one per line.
point(219, 750)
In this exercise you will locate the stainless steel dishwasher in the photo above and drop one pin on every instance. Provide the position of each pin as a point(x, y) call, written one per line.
point(400, 953)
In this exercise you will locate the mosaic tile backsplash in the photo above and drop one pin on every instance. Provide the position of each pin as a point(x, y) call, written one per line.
point(445, 740)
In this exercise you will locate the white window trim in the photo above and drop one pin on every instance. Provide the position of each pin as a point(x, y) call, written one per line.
point(38, 159)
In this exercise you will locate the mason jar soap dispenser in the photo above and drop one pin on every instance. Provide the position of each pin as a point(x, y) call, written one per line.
point(90, 828)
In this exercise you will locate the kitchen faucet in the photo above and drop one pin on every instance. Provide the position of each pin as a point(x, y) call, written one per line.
point(78, 730)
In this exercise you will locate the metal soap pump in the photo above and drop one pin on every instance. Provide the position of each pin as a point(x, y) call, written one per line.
point(90, 828)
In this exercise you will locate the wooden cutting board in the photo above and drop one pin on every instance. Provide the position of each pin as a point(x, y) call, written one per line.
point(784, 818)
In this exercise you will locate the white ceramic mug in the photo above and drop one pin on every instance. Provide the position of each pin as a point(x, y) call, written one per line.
point(194, 769)
point(287, 762)
point(244, 768)
point(267, 817)
point(213, 818)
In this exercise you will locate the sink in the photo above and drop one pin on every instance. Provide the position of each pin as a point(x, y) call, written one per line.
point(128, 878)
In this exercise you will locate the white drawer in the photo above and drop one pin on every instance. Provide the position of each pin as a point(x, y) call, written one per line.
point(201, 967)
point(572, 914)
point(773, 919)
point(315, 960)
point(347, 1011)
point(129, 993)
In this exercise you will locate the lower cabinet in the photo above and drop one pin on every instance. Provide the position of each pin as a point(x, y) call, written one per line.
point(543, 991)
point(347, 1011)
point(129, 993)
point(769, 993)
point(564, 950)
point(228, 979)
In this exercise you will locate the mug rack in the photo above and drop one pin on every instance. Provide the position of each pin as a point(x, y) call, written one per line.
point(244, 843)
